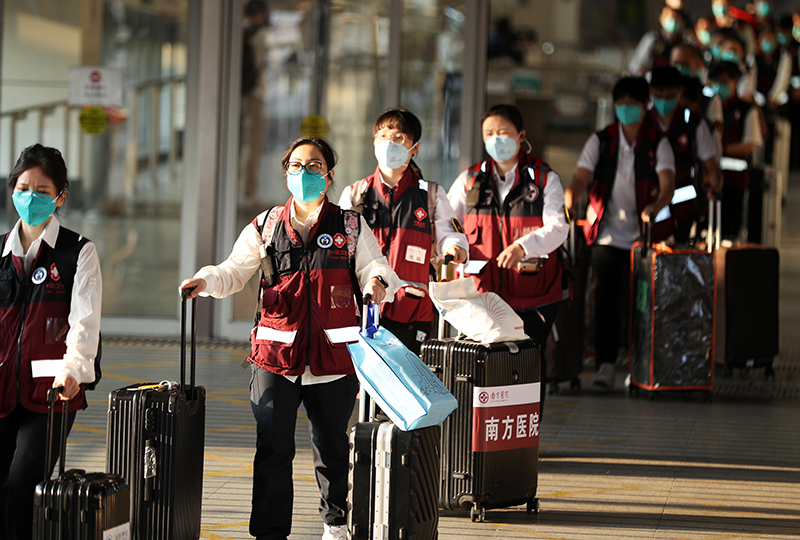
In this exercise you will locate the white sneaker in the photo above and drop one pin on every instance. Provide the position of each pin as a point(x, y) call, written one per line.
point(334, 532)
point(605, 376)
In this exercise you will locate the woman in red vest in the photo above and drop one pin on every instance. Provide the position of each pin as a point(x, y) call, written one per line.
point(512, 208)
point(314, 257)
point(50, 298)
point(411, 219)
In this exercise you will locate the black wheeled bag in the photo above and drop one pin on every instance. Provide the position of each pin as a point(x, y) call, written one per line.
point(490, 444)
point(393, 479)
point(77, 505)
point(155, 439)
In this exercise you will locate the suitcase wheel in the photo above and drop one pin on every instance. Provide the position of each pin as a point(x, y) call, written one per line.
point(533, 505)
point(477, 513)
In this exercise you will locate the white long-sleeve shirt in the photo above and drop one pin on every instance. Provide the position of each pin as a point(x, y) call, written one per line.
point(230, 276)
point(542, 241)
point(446, 235)
point(86, 301)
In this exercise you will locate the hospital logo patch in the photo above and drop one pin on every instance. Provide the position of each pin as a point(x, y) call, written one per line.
point(325, 241)
point(339, 240)
point(54, 272)
point(39, 275)
point(531, 193)
point(421, 214)
point(683, 140)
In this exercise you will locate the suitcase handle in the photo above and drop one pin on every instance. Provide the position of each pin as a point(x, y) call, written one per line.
point(193, 366)
point(714, 212)
point(52, 397)
point(366, 406)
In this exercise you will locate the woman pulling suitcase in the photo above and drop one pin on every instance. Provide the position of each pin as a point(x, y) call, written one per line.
point(314, 257)
point(50, 299)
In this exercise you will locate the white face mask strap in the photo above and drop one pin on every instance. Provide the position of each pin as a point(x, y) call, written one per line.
point(530, 148)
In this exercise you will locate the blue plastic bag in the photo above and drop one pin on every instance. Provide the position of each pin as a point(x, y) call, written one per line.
point(399, 382)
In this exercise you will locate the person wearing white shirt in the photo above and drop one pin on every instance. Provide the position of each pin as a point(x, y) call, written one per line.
point(50, 299)
point(629, 170)
point(692, 144)
point(512, 208)
point(411, 219)
point(307, 316)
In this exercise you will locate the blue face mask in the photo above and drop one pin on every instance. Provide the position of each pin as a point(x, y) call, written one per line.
point(704, 37)
point(715, 52)
point(670, 25)
point(686, 71)
point(719, 9)
point(305, 186)
point(730, 56)
point(664, 106)
point(628, 114)
point(722, 90)
point(33, 208)
point(763, 9)
point(767, 46)
point(783, 39)
point(500, 147)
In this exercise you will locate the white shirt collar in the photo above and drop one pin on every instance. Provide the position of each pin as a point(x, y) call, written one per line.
point(303, 228)
point(508, 177)
point(49, 235)
point(623, 142)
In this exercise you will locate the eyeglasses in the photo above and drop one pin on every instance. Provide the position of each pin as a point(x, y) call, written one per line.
point(312, 167)
point(398, 137)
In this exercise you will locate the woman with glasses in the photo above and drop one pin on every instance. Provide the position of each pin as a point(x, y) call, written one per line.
point(411, 219)
point(50, 298)
point(314, 256)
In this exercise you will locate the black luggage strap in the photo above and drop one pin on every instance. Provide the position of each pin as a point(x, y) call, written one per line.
point(52, 396)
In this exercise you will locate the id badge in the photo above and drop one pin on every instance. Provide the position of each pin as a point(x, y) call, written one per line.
point(415, 254)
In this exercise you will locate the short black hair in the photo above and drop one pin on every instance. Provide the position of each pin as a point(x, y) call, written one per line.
point(46, 158)
point(720, 69)
point(786, 22)
point(635, 88)
point(400, 119)
point(692, 89)
point(509, 112)
point(693, 51)
point(254, 7)
point(665, 78)
point(729, 34)
point(328, 153)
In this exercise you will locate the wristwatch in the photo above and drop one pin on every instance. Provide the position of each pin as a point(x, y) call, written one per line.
point(382, 281)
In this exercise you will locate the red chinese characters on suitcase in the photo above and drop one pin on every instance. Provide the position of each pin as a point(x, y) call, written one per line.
point(505, 417)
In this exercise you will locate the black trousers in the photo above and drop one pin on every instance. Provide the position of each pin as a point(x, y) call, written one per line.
point(275, 401)
point(23, 435)
point(538, 323)
point(612, 270)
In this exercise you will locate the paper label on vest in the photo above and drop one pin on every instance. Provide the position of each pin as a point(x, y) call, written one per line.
point(591, 215)
point(415, 254)
point(120, 532)
point(474, 267)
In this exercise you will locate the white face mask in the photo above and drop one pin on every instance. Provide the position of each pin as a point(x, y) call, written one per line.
point(500, 147)
point(391, 155)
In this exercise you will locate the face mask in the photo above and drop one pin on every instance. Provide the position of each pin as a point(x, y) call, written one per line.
point(722, 90)
point(670, 25)
point(730, 56)
point(501, 148)
point(783, 39)
point(391, 155)
point(686, 71)
point(664, 106)
point(33, 208)
point(796, 33)
point(628, 114)
point(305, 186)
point(704, 37)
point(719, 9)
point(768, 46)
point(762, 9)
point(715, 52)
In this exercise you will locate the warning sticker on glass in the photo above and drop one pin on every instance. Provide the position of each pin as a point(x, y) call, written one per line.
point(415, 254)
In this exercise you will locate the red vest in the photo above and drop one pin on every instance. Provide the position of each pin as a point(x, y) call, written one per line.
point(682, 136)
point(734, 113)
point(399, 219)
point(644, 168)
point(309, 314)
point(490, 228)
point(33, 325)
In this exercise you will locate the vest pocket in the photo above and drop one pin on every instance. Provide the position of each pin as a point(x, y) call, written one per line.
point(273, 346)
point(55, 330)
point(335, 340)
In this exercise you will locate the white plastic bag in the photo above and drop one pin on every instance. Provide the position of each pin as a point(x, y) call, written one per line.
point(483, 317)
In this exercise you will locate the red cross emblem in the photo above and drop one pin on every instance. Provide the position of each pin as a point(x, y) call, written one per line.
point(339, 240)
point(54, 272)
point(421, 214)
point(683, 140)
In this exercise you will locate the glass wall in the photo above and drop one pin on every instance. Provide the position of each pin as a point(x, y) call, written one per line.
point(126, 182)
point(320, 69)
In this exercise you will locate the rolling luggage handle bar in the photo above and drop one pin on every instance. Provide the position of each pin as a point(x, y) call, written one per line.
point(714, 211)
point(193, 366)
point(52, 396)
point(366, 406)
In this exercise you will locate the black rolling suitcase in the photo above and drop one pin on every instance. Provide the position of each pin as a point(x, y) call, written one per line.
point(672, 317)
point(393, 479)
point(155, 439)
point(490, 444)
point(563, 353)
point(78, 505)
